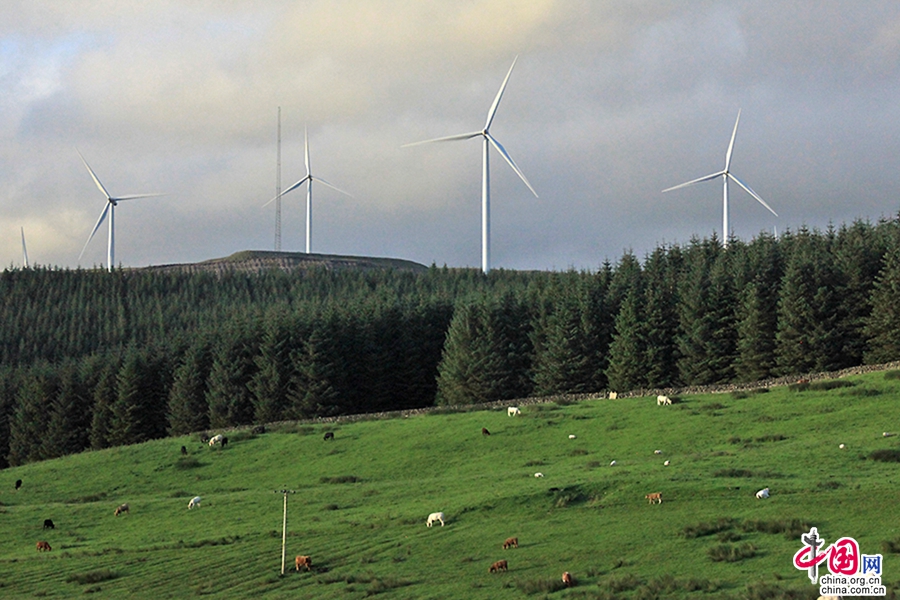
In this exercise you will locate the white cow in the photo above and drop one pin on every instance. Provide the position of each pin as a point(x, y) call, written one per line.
point(613, 395)
point(763, 493)
point(195, 501)
point(538, 474)
point(663, 400)
point(438, 516)
point(513, 411)
point(216, 439)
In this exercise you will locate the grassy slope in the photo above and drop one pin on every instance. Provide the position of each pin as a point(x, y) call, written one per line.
point(369, 536)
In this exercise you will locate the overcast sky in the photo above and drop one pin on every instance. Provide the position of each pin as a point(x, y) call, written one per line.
point(610, 102)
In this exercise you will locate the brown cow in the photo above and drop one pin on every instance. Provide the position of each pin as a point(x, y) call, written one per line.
point(484, 431)
point(498, 566)
point(122, 508)
point(303, 561)
point(568, 579)
point(41, 546)
point(654, 497)
point(512, 542)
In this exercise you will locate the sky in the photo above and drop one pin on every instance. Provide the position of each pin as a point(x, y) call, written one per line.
point(610, 102)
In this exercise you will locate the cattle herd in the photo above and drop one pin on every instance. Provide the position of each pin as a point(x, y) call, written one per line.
point(305, 561)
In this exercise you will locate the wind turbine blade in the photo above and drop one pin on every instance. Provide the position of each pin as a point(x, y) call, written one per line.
point(510, 161)
point(24, 249)
point(93, 175)
point(693, 181)
point(290, 189)
point(493, 110)
point(752, 193)
point(449, 138)
point(96, 227)
point(306, 140)
point(731, 143)
point(134, 197)
point(325, 183)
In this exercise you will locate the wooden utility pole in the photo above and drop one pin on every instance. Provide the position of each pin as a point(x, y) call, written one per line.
point(284, 525)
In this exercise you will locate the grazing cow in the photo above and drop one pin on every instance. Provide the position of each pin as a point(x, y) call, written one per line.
point(538, 474)
point(567, 579)
point(204, 438)
point(498, 566)
point(763, 493)
point(183, 451)
point(512, 542)
point(438, 516)
point(329, 435)
point(663, 400)
point(657, 452)
point(195, 501)
point(216, 439)
point(666, 464)
point(48, 524)
point(18, 484)
point(43, 546)
point(513, 411)
point(571, 436)
point(224, 441)
point(303, 561)
point(654, 497)
point(484, 431)
point(122, 508)
point(613, 395)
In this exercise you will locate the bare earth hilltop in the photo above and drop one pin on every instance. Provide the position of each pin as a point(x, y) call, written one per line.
point(256, 261)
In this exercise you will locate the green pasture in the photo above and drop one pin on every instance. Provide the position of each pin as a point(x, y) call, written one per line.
point(362, 499)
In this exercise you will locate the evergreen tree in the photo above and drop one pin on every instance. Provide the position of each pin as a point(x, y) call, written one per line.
point(486, 355)
point(188, 408)
point(270, 382)
point(134, 416)
point(627, 369)
point(313, 391)
point(707, 344)
point(68, 427)
point(757, 311)
point(104, 397)
point(30, 418)
point(882, 327)
point(660, 317)
point(228, 396)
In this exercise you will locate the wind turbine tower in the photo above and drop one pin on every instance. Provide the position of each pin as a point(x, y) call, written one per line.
point(487, 141)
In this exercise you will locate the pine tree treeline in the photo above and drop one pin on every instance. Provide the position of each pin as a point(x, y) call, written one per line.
point(90, 359)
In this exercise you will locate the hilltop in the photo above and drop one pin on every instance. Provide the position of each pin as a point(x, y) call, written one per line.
point(256, 261)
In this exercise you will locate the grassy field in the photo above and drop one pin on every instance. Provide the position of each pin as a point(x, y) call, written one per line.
point(362, 499)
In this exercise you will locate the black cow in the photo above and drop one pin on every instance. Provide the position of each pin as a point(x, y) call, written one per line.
point(18, 483)
point(329, 435)
point(224, 441)
point(204, 438)
point(48, 524)
point(183, 451)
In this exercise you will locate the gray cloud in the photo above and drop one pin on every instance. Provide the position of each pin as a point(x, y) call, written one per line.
point(610, 102)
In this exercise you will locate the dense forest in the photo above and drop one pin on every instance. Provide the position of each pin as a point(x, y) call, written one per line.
point(92, 359)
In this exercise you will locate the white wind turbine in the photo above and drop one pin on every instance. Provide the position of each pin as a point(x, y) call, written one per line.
point(110, 207)
point(486, 175)
point(726, 174)
point(309, 181)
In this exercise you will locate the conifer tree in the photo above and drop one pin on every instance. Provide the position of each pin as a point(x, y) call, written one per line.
point(882, 327)
point(627, 369)
point(313, 392)
point(30, 418)
point(188, 410)
point(270, 381)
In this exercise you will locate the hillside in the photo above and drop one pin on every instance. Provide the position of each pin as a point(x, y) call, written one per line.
point(361, 501)
point(257, 261)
